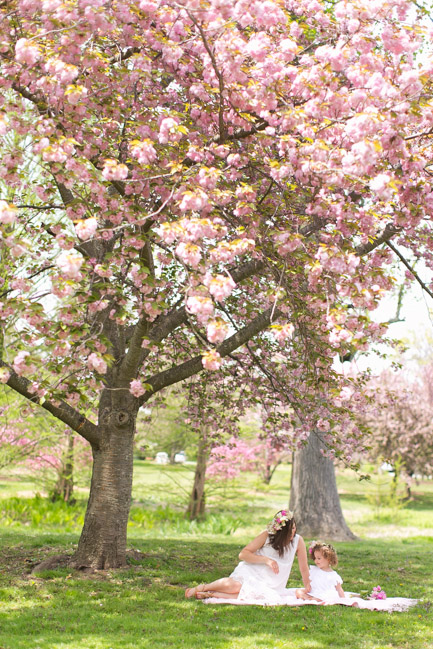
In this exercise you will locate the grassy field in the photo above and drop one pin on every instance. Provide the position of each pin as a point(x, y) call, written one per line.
point(144, 606)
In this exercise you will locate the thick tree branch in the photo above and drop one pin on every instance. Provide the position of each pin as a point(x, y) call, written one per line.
point(166, 324)
point(75, 420)
point(194, 365)
point(390, 231)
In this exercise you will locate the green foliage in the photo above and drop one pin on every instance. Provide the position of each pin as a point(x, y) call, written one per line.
point(163, 428)
point(40, 512)
point(387, 497)
point(166, 521)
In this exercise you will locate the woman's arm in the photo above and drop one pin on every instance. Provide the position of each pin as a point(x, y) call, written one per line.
point(303, 564)
point(340, 591)
point(248, 553)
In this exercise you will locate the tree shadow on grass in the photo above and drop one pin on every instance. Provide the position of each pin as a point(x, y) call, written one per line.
point(144, 606)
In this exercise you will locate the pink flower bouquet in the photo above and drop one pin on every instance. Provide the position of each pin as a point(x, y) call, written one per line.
point(377, 593)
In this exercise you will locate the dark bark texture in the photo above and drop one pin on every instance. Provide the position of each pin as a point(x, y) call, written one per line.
point(314, 497)
point(197, 502)
point(102, 543)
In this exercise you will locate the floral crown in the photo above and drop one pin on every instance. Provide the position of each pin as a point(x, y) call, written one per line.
point(279, 521)
point(319, 545)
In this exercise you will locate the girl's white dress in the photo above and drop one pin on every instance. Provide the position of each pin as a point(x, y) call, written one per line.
point(259, 582)
point(323, 583)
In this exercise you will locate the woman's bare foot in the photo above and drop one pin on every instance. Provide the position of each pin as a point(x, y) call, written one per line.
point(193, 592)
point(203, 594)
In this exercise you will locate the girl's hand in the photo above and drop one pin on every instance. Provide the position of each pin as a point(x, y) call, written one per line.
point(273, 565)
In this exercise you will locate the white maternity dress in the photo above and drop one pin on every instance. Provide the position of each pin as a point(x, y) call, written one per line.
point(259, 582)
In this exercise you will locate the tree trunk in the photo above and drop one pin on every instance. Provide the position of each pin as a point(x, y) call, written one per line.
point(64, 488)
point(102, 543)
point(197, 503)
point(314, 496)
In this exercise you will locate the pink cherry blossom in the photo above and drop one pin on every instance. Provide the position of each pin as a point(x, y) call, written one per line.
point(75, 93)
point(136, 388)
point(189, 253)
point(220, 286)
point(8, 212)
point(211, 360)
point(22, 365)
point(114, 170)
point(283, 332)
point(95, 362)
point(27, 52)
point(86, 228)
point(4, 375)
point(143, 150)
point(200, 306)
point(70, 263)
point(216, 330)
point(169, 131)
point(195, 201)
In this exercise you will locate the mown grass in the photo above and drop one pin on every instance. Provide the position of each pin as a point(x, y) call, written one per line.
point(144, 605)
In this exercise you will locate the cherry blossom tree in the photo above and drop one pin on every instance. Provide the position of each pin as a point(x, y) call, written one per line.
point(217, 184)
point(400, 423)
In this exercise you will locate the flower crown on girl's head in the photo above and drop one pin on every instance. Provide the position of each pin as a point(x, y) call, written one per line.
point(279, 521)
point(328, 550)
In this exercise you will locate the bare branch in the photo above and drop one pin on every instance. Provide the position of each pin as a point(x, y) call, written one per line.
point(409, 267)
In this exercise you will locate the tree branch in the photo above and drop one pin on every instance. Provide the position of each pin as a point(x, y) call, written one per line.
point(195, 365)
point(409, 267)
point(75, 420)
point(389, 231)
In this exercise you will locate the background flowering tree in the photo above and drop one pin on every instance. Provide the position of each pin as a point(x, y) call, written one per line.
point(400, 423)
point(207, 174)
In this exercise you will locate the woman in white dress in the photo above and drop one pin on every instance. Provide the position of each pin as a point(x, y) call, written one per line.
point(265, 566)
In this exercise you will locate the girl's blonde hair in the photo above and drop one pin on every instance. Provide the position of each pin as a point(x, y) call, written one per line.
point(328, 551)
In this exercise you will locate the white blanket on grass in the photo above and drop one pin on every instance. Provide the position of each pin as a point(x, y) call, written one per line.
point(390, 604)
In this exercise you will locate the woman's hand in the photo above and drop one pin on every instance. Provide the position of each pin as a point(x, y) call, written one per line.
point(273, 565)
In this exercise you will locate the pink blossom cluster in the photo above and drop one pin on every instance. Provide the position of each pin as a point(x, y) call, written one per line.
point(283, 332)
point(226, 251)
point(27, 52)
point(192, 230)
point(211, 360)
point(216, 330)
point(219, 286)
point(70, 262)
point(201, 306)
point(227, 461)
point(189, 253)
point(136, 388)
point(8, 212)
point(64, 72)
point(143, 150)
point(86, 228)
point(22, 364)
point(114, 170)
point(95, 362)
point(193, 201)
point(75, 93)
point(169, 130)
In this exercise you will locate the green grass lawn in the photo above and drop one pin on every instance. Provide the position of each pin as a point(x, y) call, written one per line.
point(144, 605)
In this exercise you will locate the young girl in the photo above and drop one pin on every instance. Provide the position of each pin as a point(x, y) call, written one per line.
point(265, 565)
point(325, 582)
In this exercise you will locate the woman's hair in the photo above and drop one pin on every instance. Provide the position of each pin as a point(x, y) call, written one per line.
point(281, 532)
point(328, 551)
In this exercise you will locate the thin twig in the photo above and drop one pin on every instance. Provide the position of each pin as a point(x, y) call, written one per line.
point(409, 267)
